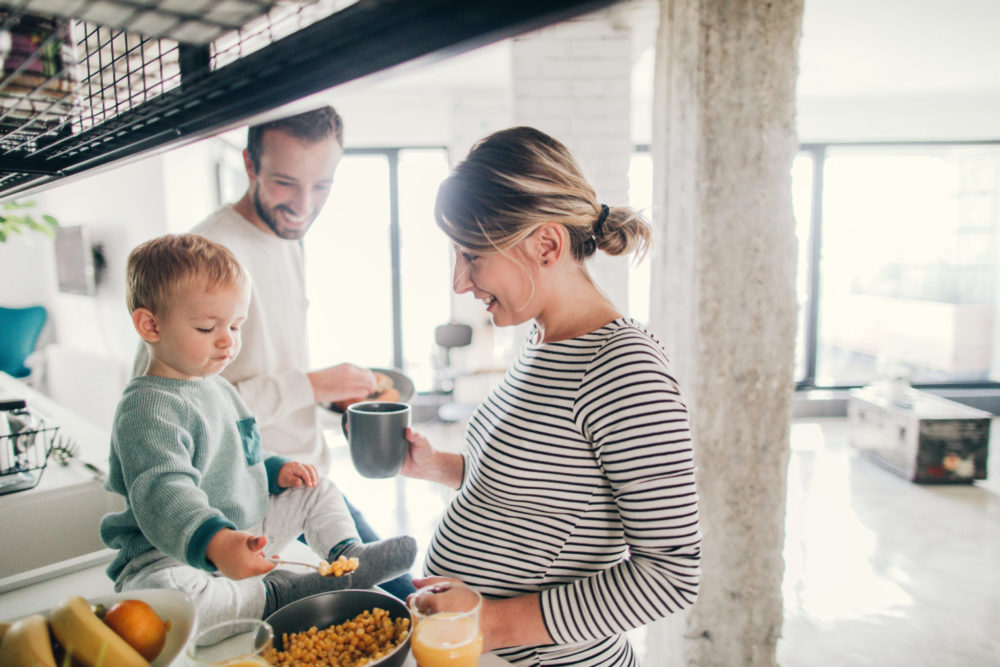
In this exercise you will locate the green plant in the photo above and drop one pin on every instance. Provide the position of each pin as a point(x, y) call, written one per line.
point(17, 221)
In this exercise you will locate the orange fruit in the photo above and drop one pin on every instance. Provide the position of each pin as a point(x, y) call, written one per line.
point(137, 623)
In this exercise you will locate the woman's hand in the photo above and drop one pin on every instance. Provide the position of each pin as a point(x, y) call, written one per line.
point(430, 581)
point(425, 462)
point(506, 622)
point(419, 456)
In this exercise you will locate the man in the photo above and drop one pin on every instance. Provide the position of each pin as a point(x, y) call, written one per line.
point(290, 164)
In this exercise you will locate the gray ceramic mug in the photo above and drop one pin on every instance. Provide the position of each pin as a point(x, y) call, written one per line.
point(376, 433)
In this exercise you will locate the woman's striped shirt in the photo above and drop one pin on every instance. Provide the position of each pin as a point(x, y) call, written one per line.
point(580, 484)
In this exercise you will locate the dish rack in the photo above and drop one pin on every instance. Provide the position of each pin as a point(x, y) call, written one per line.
point(25, 443)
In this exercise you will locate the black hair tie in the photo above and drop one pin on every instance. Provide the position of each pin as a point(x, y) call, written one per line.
point(600, 221)
point(590, 245)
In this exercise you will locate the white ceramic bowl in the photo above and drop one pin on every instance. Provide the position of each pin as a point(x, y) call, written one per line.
point(170, 606)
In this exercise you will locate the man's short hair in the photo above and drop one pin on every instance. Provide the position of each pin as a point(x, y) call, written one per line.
point(311, 126)
point(156, 268)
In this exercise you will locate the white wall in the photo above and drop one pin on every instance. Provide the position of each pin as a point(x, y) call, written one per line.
point(573, 81)
point(190, 182)
point(27, 271)
point(913, 117)
point(89, 340)
point(87, 335)
point(885, 71)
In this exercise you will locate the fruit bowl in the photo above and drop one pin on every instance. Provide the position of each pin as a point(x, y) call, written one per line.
point(169, 606)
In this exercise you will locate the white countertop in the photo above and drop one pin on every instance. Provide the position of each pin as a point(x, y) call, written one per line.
point(50, 533)
point(52, 529)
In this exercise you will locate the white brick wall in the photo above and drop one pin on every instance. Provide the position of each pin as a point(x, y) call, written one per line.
point(572, 80)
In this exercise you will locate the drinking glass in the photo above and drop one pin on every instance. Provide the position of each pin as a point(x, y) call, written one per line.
point(446, 632)
point(244, 642)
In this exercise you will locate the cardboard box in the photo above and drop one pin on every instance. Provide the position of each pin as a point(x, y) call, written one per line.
point(920, 436)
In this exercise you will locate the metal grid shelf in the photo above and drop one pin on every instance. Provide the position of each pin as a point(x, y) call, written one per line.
point(125, 94)
point(63, 76)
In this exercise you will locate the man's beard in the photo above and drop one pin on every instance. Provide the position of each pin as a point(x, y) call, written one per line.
point(269, 216)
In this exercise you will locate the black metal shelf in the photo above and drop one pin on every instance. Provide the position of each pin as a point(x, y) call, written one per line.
point(164, 93)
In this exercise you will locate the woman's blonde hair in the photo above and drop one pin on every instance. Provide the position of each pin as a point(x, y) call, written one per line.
point(515, 180)
point(159, 266)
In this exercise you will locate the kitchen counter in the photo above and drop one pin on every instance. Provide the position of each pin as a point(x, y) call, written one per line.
point(50, 533)
point(92, 583)
point(52, 529)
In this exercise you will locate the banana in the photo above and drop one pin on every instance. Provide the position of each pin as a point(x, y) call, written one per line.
point(26, 643)
point(88, 639)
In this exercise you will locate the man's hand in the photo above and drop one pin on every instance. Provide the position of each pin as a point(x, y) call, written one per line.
point(343, 382)
point(238, 554)
point(294, 473)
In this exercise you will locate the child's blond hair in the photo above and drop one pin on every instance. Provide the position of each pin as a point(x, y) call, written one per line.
point(159, 266)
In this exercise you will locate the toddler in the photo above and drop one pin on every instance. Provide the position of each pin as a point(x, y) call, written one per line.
point(202, 500)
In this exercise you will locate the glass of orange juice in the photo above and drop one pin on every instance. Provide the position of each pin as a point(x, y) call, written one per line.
point(243, 642)
point(446, 631)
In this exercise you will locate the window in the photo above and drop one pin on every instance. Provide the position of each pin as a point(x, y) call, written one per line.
point(425, 263)
point(640, 197)
point(349, 270)
point(803, 173)
point(899, 270)
point(376, 264)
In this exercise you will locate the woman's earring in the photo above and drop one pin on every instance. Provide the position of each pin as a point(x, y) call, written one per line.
point(545, 261)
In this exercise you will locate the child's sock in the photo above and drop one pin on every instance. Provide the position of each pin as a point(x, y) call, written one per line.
point(377, 562)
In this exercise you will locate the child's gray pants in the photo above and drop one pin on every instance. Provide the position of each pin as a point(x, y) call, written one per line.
point(319, 512)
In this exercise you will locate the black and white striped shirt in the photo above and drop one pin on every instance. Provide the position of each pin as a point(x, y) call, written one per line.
point(580, 484)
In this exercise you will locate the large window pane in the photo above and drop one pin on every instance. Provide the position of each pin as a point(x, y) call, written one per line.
point(425, 260)
point(348, 268)
point(802, 201)
point(908, 272)
point(640, 197)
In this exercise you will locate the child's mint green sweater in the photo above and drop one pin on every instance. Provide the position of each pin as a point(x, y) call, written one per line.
point(186, 455)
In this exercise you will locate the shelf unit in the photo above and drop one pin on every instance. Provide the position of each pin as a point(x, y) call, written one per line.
point(109, 93)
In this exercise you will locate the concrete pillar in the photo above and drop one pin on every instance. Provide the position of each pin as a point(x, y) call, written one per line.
point(723, 299)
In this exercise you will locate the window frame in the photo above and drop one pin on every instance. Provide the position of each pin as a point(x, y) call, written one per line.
point(391, 154)
point(818, 151)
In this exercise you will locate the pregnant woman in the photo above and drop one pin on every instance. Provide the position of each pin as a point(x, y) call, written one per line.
point(576, 513)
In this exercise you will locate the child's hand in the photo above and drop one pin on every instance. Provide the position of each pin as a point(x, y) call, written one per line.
point(238, 554)
point(294, 473)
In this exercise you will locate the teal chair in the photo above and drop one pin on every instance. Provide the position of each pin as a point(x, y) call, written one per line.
point(19, 331)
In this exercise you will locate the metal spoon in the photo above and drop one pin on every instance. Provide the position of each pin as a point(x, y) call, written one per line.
point(280, 561)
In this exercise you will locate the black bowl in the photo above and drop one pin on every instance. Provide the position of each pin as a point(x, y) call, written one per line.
point(325, 609)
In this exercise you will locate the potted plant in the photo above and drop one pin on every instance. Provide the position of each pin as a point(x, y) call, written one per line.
point(15, 220)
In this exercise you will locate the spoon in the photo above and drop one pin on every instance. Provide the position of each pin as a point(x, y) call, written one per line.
point(337, 568)
point(281, 561)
